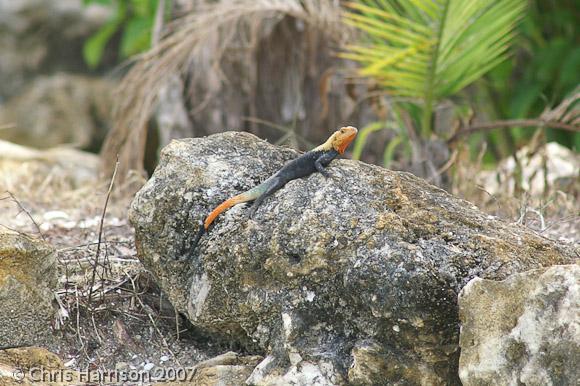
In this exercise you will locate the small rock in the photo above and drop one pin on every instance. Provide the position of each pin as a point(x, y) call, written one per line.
point(226, 369)
point(28, 278)
point(540, 172)
point(54, 214)
point(59, 109)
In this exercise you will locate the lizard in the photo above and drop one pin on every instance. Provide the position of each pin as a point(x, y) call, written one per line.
point(310, 162)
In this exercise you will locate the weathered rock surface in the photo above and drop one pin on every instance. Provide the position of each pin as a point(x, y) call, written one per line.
point(27, 282)
point(224, 370)
point(524, 330)
point(18, 364)
point(353, 278)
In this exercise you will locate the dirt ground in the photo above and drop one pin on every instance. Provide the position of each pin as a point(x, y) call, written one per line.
point(125, 323)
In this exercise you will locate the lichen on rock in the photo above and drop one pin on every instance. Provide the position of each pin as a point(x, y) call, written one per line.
point(348, 279)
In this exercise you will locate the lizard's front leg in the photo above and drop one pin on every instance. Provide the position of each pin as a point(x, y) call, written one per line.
point(324, 160)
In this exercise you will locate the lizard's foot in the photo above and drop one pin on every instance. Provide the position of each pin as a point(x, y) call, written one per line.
point(250, 214)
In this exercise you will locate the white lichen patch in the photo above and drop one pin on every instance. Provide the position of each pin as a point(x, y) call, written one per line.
point(198, 292)
point(308, 373)
point(309, 295)
point(490, 360)
point(287, 324)
point(295, 358)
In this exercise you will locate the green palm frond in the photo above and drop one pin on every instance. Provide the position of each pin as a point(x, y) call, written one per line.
point(431, 49)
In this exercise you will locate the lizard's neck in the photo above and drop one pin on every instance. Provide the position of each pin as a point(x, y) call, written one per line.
point(326, 146)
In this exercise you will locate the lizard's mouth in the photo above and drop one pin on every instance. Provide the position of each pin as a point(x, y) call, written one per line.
point(346, 140)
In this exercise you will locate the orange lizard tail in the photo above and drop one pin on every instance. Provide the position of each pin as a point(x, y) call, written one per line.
point(240, 198)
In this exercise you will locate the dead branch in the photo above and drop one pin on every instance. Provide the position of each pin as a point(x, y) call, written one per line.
point(565, 116)
point(528, 123)
point(23, 209)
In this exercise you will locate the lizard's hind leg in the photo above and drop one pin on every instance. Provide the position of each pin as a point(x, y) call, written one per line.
point(274, 185)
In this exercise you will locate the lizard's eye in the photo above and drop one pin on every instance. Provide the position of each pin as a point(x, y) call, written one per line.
point(341, 131)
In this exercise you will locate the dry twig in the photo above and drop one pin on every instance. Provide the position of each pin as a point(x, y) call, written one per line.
point(94, 273)
point(23, 209)
point(146, 309)
point(565, 116)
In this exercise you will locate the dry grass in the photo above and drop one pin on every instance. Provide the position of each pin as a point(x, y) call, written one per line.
point(528, 192)
point(128, 320)
point(195, 47)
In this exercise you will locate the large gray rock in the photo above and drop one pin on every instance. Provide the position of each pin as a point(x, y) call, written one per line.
point(524, 330)
point(353, 278)
point(27, 282)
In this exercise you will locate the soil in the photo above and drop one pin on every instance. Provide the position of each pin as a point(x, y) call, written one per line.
point(127, 324)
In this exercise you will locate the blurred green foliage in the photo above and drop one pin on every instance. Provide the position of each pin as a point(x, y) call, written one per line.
point(544, 69)
point(422, 52)
point(405, 43)
point(132, 21)
point(541, 69)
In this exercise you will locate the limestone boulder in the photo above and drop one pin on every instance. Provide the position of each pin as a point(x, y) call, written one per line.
point(524, 330)
point(351, 279)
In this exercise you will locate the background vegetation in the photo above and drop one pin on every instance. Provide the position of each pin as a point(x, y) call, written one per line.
point(288, 71)
point(543, 69)
point(514, 60)
point(132, 22)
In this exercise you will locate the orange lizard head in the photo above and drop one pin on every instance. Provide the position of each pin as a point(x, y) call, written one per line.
point(342, 138)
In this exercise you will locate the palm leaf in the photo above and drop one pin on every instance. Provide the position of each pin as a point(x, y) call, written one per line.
point(431, 49)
